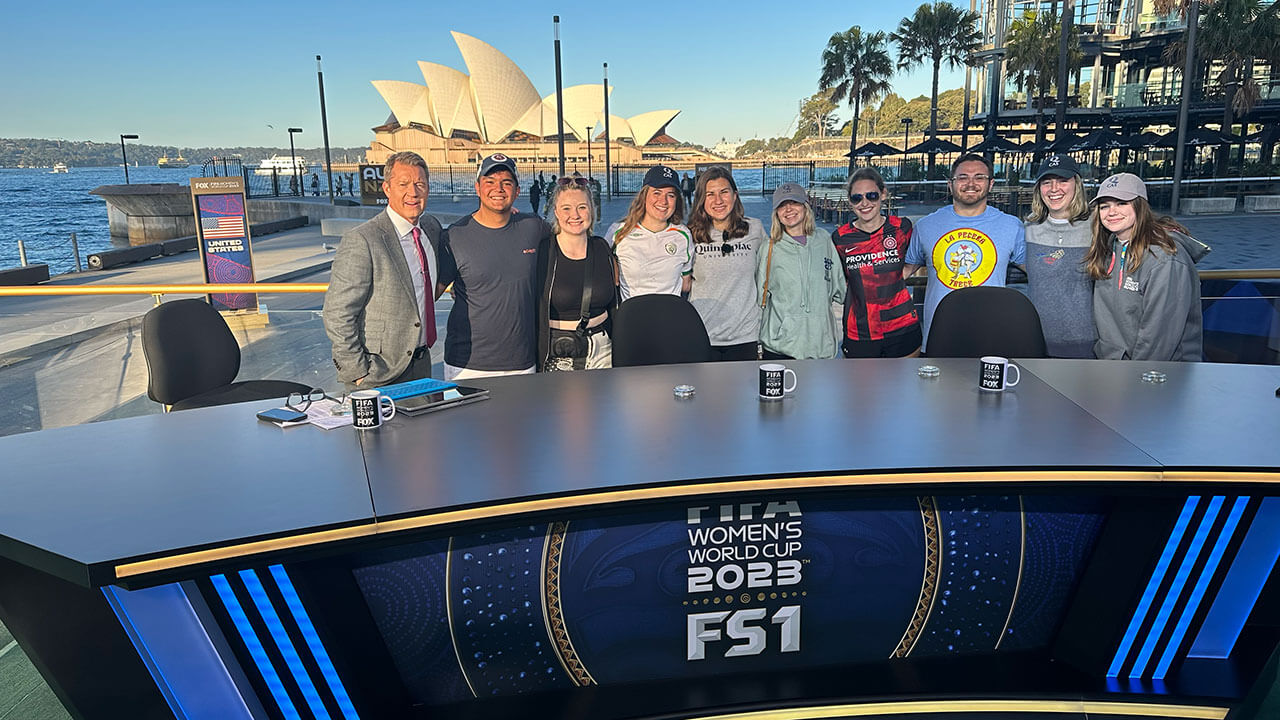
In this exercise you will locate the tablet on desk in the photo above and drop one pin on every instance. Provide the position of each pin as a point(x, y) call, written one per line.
point(430, 402)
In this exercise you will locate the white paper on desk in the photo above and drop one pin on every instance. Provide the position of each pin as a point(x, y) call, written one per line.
point(321, 415)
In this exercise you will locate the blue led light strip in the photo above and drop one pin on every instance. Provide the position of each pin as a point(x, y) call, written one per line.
point(1202, 584)
point(1175, 589)
point(313, 641)
point(283, 642)
point(254, 645)
point(1157, 577)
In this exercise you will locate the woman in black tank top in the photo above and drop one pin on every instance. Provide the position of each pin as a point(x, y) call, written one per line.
point(577, 286)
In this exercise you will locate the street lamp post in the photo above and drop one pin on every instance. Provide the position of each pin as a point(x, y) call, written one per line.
point(124, 156)
point(293, 163)
point(906, 133)
point(589, 129)
point(324, 129)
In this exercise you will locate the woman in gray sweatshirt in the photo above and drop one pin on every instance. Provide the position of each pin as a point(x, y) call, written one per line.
point(1058, 237)
point(1146, 293)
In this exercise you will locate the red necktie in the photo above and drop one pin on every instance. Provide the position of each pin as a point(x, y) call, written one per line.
point(428, 292)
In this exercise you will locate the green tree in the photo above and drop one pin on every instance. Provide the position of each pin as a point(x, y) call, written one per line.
point(817, 116)
point(941, 34)
point(856, 66)
point(1032, 55)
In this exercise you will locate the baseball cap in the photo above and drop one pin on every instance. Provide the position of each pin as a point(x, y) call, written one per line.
point(497, 161)
point(789, 191)
point(1062, 166)
point(1122, 186)
point(662, 176)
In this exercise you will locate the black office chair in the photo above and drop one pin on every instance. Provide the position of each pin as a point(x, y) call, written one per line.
point(192, 359)
point(977, 321)
point(658, 330)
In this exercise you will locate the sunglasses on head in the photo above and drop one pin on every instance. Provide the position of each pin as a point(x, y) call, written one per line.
point(856, 198)
point(567, 181)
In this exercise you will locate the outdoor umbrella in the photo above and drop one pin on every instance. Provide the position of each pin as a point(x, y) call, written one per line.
point(933, 146)
point(873, 149)
point(996, 144)
point(1062, 144)
point(1101, 140)
point(1199, 136)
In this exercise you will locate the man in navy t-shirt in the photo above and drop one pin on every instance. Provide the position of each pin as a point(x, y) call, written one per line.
point(967, 243)
point(490, 256)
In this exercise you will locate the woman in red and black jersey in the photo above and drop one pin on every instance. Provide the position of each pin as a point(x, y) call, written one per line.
point(880, 319)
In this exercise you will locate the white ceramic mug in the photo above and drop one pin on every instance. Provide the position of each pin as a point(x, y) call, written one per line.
point(370, 408)
point(994, 372)
point(773, 381)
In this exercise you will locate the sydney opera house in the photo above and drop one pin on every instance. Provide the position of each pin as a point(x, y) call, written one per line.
point(456, 117)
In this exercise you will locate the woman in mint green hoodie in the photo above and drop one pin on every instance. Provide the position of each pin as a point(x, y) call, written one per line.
point(799, 277)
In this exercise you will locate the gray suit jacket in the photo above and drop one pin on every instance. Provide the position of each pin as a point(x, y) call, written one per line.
point(370, 312)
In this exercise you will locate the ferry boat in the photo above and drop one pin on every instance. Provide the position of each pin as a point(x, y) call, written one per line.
point(175, 162)
point(59, 167)
point(282, 165)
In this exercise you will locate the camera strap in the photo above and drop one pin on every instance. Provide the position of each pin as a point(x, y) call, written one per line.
point(586, 292)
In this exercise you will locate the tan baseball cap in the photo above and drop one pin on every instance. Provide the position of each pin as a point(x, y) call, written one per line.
point(1121, 186)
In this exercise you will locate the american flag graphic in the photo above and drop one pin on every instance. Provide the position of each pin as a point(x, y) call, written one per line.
point(223, 227)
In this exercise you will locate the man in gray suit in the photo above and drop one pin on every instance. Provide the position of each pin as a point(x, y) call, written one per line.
point(379, 311)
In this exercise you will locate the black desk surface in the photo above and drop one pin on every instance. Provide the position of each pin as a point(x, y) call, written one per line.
point(106, 500)
point(566, 433)
point(1205, 415)
point(78, 500)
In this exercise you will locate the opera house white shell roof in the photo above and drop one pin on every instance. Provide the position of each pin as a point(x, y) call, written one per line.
point(495, 98)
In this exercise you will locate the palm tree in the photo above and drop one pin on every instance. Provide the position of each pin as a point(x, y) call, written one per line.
point(940, 33)
point(1237, 34)
point(1031, 49)
point(856, 66)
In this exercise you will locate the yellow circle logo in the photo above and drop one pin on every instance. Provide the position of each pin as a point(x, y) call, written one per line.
point(964, 258)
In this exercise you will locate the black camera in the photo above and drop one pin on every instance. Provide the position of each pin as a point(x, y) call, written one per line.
point(569, 345)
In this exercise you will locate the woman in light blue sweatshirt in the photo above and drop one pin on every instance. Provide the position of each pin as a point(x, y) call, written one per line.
point(799, 276)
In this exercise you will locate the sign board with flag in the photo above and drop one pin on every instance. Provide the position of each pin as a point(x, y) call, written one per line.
point(222, 230)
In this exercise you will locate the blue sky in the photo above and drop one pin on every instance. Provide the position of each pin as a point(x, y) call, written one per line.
point(218, 73)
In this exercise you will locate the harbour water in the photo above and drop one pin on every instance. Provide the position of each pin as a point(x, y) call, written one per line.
point(43, 208)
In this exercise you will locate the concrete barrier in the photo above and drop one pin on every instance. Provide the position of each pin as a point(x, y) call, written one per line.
point(1208, 206)
point(178, 245)
point(1262, 203)
point(29, 275)
point(115, 258)
point(335, 227)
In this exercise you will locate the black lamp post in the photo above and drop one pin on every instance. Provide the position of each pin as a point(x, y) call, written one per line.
point(124, 156)
point(906, 133)
point(293, 162)
point(589, 129)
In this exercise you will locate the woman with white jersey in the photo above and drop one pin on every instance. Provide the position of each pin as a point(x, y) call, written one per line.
point(655, 251)
point(724, 289)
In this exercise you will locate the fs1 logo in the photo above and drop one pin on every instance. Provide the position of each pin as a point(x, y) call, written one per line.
point(744, 625)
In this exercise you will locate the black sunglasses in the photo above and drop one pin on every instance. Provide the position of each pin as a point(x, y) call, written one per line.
point(856, 198)
point(567, 181)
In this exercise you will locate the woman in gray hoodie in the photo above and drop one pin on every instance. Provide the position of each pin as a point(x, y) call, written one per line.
point(1146, 292)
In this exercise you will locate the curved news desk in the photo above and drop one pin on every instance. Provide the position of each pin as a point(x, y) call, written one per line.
point(587, 545)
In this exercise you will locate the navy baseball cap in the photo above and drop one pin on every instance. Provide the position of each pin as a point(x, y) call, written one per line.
point(497, 161)
point(1062, 166)
point(662, 176)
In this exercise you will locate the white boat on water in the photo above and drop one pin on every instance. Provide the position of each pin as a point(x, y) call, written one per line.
point(59, 168)
point(282, 165)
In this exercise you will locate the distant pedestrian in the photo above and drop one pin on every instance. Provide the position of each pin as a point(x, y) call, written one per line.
point(315, 184)
point(547, 211)
point(535, 194)
point(595, 194)
point(293, 184)
point(351, 184)
point(687, 185)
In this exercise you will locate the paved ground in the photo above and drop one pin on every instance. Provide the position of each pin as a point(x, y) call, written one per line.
point(72, 360)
